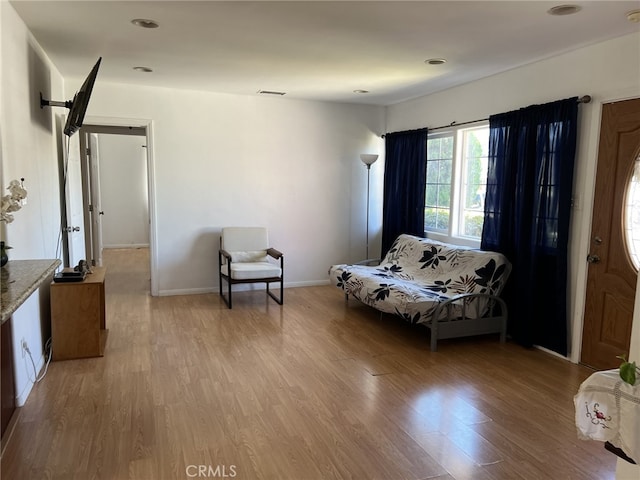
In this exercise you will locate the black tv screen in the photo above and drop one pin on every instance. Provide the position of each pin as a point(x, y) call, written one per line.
point(81, 101)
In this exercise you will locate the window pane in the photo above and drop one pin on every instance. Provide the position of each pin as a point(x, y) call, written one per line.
point(438, 191)
point(474, 197)
point(444, 172)
point(433, 149)
point(429, 218)
point(444, 195)
point(632, 216)
point(433, 169)
point(431, 196)
point(476, 147)
point(443, 219)
point(436, 218)
point(473, 224)
point(477, 144)
point(447, 147)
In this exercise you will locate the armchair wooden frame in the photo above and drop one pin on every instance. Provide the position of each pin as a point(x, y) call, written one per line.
point(272, 252)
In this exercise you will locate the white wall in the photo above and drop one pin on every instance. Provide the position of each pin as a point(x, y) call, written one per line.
point(222, 160)
point(123, 191)
point(29, 150)
point(606, 71)
point(292, 166)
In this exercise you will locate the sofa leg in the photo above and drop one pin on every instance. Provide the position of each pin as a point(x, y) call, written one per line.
point(434, 335)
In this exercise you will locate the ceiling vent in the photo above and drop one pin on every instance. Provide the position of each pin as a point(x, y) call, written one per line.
point(270, 92)
point(145, 23)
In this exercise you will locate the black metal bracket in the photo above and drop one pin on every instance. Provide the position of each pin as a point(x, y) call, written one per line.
point(53, 103)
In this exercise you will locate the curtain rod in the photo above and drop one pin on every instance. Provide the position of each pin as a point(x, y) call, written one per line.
point(583, 99)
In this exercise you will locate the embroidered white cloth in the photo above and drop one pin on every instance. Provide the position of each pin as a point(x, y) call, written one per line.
point(608, 409)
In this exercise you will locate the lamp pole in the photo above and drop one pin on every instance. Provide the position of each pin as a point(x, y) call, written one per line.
point(368, 183)
point(368, 159)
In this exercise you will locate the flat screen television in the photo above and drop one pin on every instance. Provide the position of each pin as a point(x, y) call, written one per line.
point(81, 101)
point(78, 106)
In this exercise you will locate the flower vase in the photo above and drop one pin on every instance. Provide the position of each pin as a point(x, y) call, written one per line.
point(4, 258)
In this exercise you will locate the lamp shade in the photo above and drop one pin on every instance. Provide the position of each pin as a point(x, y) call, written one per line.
point(368, 158)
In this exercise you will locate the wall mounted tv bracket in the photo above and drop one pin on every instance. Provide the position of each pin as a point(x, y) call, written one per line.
point(52, 103)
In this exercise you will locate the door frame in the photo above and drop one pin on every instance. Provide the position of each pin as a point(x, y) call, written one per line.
point(590, 128)
point(68, 236)
point(121, 126)
point(96, 196)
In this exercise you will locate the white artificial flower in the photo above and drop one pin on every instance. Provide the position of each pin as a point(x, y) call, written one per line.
point(13, 201)
point(17, 191)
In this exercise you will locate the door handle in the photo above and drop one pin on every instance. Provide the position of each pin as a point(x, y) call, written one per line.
point(593, 258)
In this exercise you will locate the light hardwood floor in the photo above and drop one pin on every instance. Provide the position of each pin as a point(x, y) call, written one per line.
point(315, 389)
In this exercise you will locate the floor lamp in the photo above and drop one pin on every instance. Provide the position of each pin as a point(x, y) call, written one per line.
point(368, 159)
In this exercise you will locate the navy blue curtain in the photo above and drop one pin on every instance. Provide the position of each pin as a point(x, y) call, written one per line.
point(405, 177)
point(527, 214)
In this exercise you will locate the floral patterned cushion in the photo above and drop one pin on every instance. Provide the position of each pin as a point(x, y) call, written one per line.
point(418, 273)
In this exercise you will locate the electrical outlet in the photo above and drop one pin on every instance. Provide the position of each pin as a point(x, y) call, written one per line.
point(25, 347)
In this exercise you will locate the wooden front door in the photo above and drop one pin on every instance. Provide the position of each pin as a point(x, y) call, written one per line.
point(611, 280)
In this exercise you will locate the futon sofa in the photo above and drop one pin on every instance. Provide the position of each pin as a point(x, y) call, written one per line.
point(453, 290)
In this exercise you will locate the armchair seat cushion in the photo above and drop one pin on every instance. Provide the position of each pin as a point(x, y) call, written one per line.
point(251, 270)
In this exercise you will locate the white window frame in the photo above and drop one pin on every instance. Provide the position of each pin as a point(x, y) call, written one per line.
point(453, 235)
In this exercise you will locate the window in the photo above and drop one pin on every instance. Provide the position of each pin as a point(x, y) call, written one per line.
point(456, 184)
point(632, 215)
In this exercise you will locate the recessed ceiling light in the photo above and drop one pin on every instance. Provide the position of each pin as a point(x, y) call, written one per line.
point(634, 16)
point(435, 61)
point(361, 91)
point(564, 10)
point(145, 23)
point(143, 69)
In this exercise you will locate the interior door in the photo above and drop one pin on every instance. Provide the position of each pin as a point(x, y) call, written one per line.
point(96, 203)
point(611, 279)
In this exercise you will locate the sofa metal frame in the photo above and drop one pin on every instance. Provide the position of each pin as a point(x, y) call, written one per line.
point(455, 325)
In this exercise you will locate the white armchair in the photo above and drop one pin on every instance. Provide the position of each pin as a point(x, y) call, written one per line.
point(244, 258)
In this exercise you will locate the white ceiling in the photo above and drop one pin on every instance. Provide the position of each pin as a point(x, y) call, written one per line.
point(316, 50)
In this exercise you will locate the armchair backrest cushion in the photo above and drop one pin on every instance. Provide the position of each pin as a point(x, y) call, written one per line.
point(246, 244)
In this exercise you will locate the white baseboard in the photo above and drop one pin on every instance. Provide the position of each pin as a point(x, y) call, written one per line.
point(186, 291)
point(555, 354)
point(126, 245)
point(239, 288)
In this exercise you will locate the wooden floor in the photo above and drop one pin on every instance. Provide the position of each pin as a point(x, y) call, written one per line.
point(315, 389)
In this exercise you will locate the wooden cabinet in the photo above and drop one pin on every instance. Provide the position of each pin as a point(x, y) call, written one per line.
point(7, 389)
point(78, 328)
